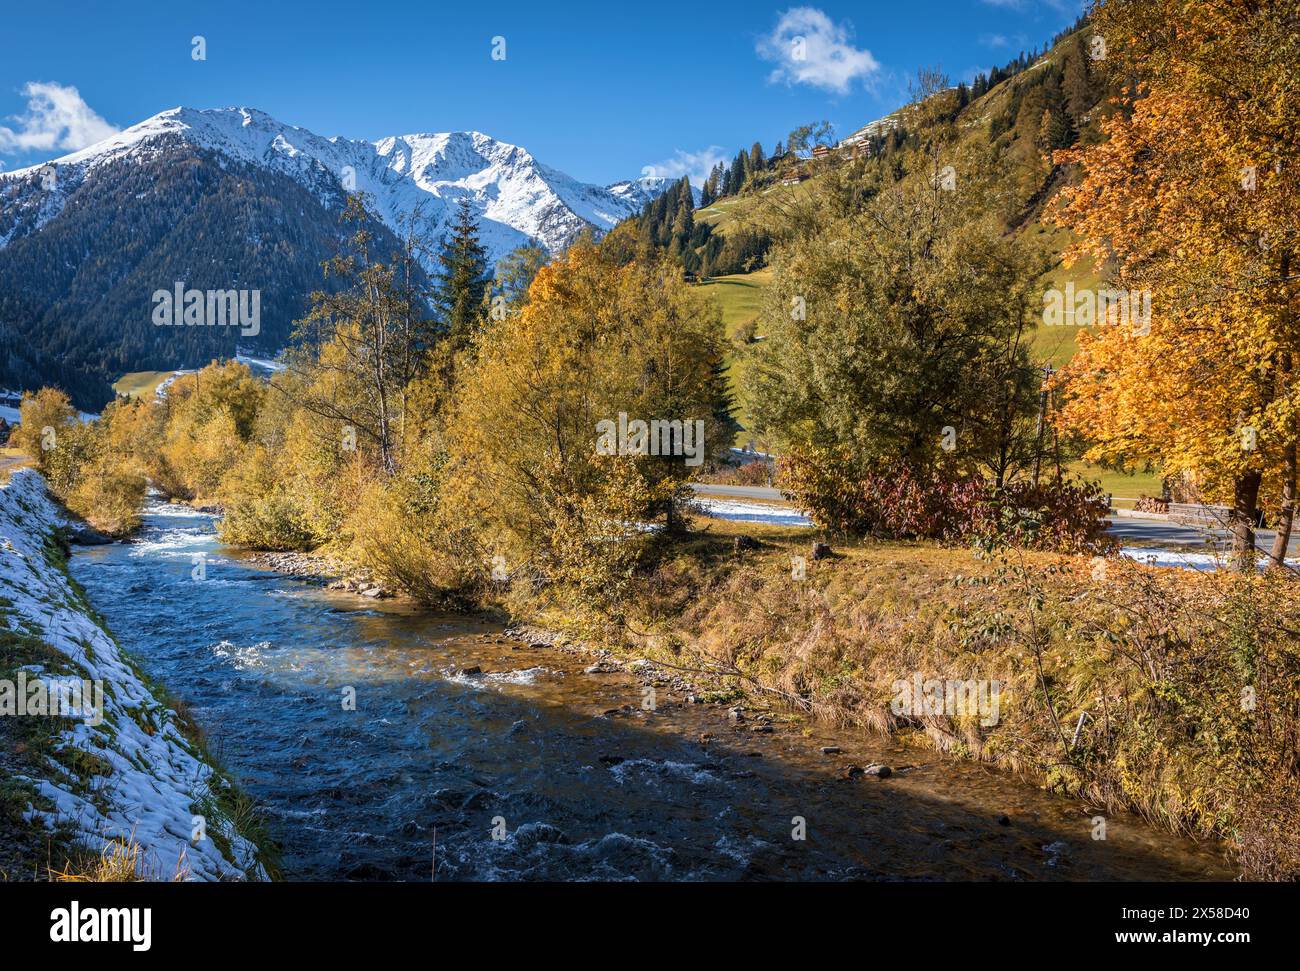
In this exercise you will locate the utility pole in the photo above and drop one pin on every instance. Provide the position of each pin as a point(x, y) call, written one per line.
point(1048, 371)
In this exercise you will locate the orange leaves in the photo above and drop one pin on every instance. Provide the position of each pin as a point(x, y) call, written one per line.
point(1183, 200)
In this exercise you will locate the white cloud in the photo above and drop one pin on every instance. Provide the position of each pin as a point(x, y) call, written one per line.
point(697, 165)
point(810, 48)
point(56, 118)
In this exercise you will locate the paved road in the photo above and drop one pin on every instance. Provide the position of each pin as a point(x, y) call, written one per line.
point(1175, 534)
point(736, 491)
point(1126, 530)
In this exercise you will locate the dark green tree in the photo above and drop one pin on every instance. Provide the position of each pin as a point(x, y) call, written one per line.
point(462, 279)
point(738, 172)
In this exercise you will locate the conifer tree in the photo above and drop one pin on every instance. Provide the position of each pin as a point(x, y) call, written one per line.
point(1077, 86)
point(738, 172)
point(462, 278)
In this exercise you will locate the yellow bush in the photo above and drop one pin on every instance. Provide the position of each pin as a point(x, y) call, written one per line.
point(406, 542)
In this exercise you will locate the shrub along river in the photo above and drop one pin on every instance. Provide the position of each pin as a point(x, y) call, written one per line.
point(533, 769)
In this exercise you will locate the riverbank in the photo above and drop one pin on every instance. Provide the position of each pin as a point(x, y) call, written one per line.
point(118, 770)
point(1113, 682)
point(1165, 693)
point(383, 741)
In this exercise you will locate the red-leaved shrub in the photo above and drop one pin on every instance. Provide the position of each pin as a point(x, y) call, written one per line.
point(902, 501)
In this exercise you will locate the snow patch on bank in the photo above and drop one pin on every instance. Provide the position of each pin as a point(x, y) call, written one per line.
point(751, 512)
point(156, 781)
point(1187, 559)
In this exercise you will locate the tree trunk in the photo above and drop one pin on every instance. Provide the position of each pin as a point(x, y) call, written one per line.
point(1287, 514)
point(1245, 496)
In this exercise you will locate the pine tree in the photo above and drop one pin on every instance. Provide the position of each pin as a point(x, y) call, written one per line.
point(462, 279)
point(1079, 95)
point(738, 173)
point(685, 198)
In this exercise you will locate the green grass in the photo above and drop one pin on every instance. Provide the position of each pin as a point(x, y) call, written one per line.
point(736, 209)
point(1056, 345)
point(740, 297)
point(140, 384)
point(1121, 484)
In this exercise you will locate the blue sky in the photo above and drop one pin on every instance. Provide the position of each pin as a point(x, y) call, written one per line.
point(600, 91)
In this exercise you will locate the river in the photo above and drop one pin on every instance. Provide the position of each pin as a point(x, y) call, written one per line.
point(532, 769)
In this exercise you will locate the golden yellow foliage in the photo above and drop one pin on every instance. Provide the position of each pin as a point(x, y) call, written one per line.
point(1193, 199)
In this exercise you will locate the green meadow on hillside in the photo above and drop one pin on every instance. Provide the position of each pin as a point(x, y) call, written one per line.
point(140, 384)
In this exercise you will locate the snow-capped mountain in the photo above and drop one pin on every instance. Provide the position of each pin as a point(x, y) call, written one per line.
point(232, 199)
point(516, 197)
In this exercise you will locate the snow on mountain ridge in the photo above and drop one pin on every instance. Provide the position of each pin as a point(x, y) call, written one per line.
point(516, 197)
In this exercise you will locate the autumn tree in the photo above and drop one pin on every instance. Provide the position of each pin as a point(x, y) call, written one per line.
point(515, 273)
point(898, 312)
point(206, 417)
point(596, 342)
point(361, 345)
point(1192, 200)
point(50, 432)
point(96, 467)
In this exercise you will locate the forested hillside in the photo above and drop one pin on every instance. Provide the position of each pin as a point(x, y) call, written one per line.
point(75, 298)
point(1035, 104)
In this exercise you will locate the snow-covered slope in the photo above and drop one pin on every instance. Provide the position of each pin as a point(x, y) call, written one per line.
point(515, 196)
point(125, 772)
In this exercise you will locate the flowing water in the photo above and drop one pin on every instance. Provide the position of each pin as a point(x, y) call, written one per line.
point(536, 770)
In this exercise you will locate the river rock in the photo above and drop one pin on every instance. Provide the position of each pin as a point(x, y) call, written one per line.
point(831, 750)
point(89, 536)
point(478, 801)
point(471, 670)
point(878, 770)
point(1058, 853)
point(531, 834)
point(444, 799)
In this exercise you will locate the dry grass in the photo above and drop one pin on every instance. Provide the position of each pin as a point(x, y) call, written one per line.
point(118, 862)
point(1154, 661)
point(11, 460)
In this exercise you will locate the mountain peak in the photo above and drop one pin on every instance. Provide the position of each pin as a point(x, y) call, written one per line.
point(516, 197)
